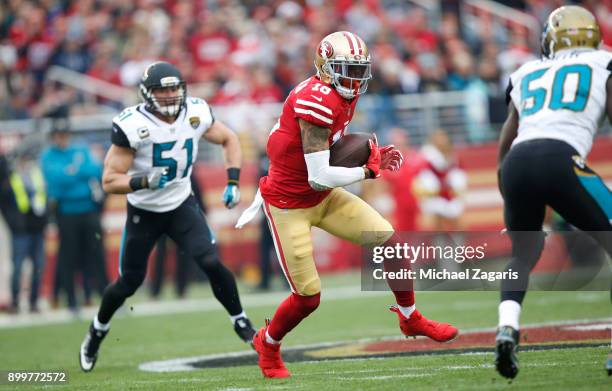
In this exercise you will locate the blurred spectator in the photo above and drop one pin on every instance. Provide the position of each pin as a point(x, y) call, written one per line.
point(433, 72)
point(181, 270)
point(25, 210)
point(264, 90)
point(266, 243)
point(94, 273)
point(390, 76)
point(236, 88)
point(151, 16)
point(440, 183)
point(361, 16)
point(4, 185)
point(72, 54)
point(137, 56)
point(462, 71)
point(16, 99)
point(70, 170)
point(54, 102)
point(253, 51)
point(210, 45)
point(490, 75)
point(401, 183)
point(516, 54)
point(5, 235)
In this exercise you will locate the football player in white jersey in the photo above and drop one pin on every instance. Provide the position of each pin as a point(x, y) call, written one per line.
point(154, 145)
point(555, 106)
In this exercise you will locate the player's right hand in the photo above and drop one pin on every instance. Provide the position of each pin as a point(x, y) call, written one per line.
point(157, 178)
point(374, 160)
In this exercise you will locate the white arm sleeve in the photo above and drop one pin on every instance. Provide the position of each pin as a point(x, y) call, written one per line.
point(322, 176)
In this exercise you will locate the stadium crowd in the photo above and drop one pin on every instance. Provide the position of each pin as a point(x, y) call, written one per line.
point(252, 51)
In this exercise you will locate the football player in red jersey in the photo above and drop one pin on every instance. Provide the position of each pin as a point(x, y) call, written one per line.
point(302, 190)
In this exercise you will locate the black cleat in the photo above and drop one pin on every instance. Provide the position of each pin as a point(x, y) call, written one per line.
point(245, 330)
point(506, 345)
point(89, 348)
point(609, 363)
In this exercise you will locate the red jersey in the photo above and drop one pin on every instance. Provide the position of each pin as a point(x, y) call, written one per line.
point(286, 185)
point(401, 184)
point(442, 169)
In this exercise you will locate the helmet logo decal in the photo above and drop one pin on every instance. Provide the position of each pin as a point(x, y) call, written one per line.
point(326, 50)
point(148, 69)
point(169, 81)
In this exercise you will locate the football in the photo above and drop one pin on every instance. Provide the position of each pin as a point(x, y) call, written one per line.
point(351, 150)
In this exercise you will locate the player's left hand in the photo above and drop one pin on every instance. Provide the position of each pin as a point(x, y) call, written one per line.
point(231, 195)
point(391, 158)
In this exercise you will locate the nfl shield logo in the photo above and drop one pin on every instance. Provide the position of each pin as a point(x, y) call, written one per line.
point(194, 122)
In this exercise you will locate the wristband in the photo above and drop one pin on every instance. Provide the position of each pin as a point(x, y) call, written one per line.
point(233, 175)
point(139, 182)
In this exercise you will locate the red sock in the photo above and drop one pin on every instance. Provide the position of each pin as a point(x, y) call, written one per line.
point(402, 289)
point(290, 313)
point(404, 298)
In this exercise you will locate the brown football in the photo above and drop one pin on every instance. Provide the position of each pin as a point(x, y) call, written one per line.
point(352, 150)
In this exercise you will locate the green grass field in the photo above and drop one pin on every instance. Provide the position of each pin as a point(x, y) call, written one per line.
point(137, 339)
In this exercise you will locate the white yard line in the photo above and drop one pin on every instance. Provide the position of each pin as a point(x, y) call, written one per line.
point(385, 377)
point(431, 371)
point(170, 307)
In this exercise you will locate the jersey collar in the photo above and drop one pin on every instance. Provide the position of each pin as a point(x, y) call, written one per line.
point(144, 111)
point(569, 50)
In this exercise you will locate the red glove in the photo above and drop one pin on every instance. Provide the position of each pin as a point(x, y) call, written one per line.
point(374, 160)
point(391, 158)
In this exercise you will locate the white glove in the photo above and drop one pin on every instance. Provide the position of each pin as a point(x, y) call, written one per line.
point(157, 178)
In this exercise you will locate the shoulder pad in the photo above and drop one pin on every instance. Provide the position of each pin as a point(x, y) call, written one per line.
point(317, 103)
point(134, 125)
point(128, 118)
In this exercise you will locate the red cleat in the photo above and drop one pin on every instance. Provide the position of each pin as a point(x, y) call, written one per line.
point(270, 360)
point(417, 324)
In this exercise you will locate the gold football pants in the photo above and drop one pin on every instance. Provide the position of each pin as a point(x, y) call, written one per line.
point(341, 213)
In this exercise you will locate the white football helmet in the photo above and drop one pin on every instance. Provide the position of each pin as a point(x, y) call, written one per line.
point(343, 60)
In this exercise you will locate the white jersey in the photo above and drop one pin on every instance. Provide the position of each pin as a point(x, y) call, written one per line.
point(562, 98)
point(160, 144)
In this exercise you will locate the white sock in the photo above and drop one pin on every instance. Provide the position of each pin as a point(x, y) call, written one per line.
point(233, 318)
point(509, 314)
point(407, 311)
point(100, 326)
point(270, 339)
